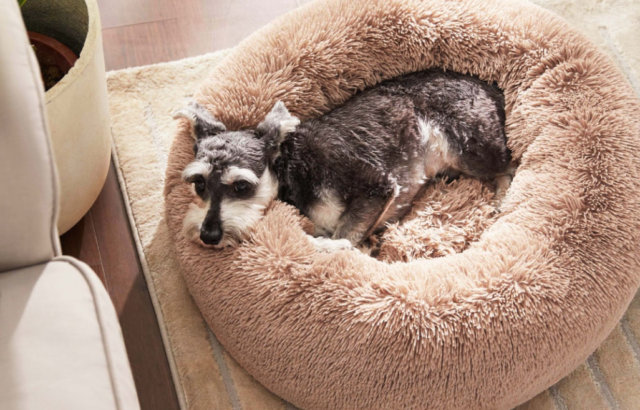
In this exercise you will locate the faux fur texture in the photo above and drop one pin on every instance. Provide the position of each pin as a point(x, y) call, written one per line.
point(444, 221)
point(487, 328)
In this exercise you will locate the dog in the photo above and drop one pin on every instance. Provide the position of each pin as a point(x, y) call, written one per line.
point(353, 170)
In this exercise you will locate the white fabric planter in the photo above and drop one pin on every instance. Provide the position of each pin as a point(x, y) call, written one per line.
point(77, 106)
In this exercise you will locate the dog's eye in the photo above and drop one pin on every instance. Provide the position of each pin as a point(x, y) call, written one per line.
point(241, 186)
point(199, 185)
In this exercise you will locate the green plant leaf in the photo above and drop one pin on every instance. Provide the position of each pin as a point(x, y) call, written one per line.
point(21, 2)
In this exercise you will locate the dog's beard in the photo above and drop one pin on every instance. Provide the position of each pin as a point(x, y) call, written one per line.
point(238, 217)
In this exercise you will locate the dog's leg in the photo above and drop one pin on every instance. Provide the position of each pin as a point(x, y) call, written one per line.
point(503, 182)
point(323, 244)
point(364, 215)
point(361, 219)
point(358, 221)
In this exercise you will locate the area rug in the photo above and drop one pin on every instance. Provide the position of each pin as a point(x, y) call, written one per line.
point(206, 377)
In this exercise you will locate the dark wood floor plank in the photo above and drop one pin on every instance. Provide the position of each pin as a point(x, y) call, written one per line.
point(141, 44)
point(81, 243)
point(118, 13)
point(208, 26)
point(130, 296)
point(195, 27)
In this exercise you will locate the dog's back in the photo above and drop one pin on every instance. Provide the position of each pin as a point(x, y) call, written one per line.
point(362, 164)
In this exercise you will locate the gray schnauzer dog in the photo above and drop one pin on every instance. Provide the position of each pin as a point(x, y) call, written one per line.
point(351, 171)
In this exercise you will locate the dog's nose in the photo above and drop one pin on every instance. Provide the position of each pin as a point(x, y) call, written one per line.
point(211, 236)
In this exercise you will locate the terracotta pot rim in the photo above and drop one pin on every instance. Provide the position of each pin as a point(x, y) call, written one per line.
point(63, 50)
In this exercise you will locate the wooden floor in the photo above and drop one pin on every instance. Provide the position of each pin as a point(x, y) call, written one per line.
point(137, 33)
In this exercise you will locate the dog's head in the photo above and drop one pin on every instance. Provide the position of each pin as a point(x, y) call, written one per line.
point(230, 177)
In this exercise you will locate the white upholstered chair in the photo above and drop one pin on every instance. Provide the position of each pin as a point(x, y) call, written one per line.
point(61, 346)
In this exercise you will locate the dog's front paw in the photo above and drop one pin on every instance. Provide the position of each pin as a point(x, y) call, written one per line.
point(329, 245)
point(503, 182)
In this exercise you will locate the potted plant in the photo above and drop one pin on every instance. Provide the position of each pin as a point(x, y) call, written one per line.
point(75, 99)
point(55, 59)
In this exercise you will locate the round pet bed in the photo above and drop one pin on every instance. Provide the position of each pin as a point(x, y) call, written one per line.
point(486, 325)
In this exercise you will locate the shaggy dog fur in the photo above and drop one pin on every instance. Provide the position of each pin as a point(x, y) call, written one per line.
point(487, 328)
point(354, 170)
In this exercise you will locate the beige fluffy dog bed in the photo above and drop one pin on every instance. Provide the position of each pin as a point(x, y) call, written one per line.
point(482, 309)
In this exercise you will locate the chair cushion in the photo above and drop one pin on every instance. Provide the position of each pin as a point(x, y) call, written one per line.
point(61, 346)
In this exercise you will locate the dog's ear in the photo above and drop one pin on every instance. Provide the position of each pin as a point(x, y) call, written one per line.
point(276, 125)
point(203, 122)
